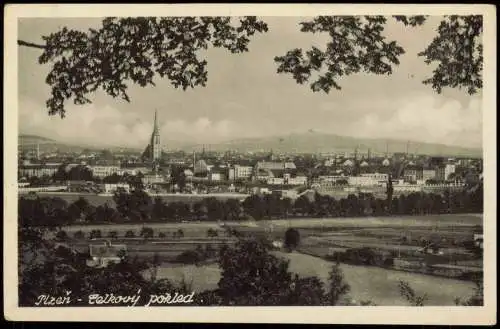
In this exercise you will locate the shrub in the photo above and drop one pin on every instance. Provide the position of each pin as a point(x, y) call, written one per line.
point(112, 234)
point(188, 257)
point(95, 234)
point(61, 235)
point(147, 232)
point(130, 234)
point(212, 233)
point(180, 233)
point(79, 235)
point(162, 235)
point(292, 239)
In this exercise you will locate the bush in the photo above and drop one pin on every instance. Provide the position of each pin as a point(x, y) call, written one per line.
point(180, 233)
point(95, 234)
point(212, 233)
point(162, 235)
point(61, 235)
point(147, 232)
point(130, 234)
point(113, 235)
point(292, 239)
point(189, 257)
point(79, 235)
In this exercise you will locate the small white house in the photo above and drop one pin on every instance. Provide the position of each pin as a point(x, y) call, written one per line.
point(102, 255)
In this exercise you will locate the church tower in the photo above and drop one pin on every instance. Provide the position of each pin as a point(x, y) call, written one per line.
point(155, 142)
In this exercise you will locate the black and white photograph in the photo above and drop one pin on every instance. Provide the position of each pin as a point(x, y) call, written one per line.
point(330, 158)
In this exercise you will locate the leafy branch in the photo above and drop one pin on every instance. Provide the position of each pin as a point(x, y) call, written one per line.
point(125, 50)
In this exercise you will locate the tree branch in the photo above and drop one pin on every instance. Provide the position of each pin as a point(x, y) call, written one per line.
point(30, 44)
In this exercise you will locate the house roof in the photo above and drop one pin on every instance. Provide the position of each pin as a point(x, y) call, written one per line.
point(104, 250)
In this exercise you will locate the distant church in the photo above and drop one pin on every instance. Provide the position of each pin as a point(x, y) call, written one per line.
point(153, 151)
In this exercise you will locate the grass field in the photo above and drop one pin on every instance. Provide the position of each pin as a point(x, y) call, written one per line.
point(367, 283)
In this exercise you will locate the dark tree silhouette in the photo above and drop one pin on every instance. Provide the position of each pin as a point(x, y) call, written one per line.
point(357, 44)
point(138, 49)
point(292, 239)
point(135, 49)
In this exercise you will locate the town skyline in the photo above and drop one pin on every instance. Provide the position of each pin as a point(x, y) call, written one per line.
point(245, 100)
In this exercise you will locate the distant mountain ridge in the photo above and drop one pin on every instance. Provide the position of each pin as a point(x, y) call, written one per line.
point(321, 142)
point(295, 142)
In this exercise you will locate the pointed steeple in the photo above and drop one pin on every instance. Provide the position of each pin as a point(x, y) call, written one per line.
point(155, 127)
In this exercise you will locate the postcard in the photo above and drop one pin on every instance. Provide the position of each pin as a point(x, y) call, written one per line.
point(265, 163)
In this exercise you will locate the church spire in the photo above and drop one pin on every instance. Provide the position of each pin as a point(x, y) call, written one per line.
point(155, 127)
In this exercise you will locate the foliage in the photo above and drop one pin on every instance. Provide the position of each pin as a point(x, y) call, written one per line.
point(411, 296)
point(477, 299)
point(292, 239)
point(134, 50)
point(251, 276)
point(147, 232)
point(458, 51)
point(357, 44)
point(113, 234)
point(338, 287)
point(212, 233)
point(95, 234)
point(61, 235)
point(79, 235)
point(129, 234)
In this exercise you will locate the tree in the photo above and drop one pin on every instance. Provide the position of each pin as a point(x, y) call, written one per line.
point(302, 205)
point(357, 44)
point(338, 286)
point(129, 234)
point(147, 232)
point(410, 295)
point(79, 235)
point(292, 239)
point(251, 276)
point(254, 206)
point(138, 49)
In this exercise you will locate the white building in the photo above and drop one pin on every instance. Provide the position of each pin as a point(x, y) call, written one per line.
point(297, 180)
point(216, 176)
point(372, 179)
point(448, 170)
point(428, 174)
point(112, 188)
point(104, 171)
point(275, 181)
point(102, 255)
point(242, 172)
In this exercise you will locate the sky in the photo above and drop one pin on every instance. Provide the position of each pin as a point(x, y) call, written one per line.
point(245, 97)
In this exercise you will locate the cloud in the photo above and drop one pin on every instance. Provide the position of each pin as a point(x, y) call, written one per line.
point(425, 118)
point(108, 126)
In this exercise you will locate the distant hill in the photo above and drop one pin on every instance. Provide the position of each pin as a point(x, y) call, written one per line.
point(293, 143)
point(320, 142)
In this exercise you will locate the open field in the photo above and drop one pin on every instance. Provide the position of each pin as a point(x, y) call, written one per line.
point(401, 223)
point(367, 283)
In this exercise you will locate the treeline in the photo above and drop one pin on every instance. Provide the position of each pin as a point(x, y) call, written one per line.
point(138, 206)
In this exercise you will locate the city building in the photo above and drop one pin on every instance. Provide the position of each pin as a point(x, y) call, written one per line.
point(38, 170)
point(448, 170)
point(413, 173)
point(104, 171)
point(242, 172)
point(112, 188)
point(428, 174)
